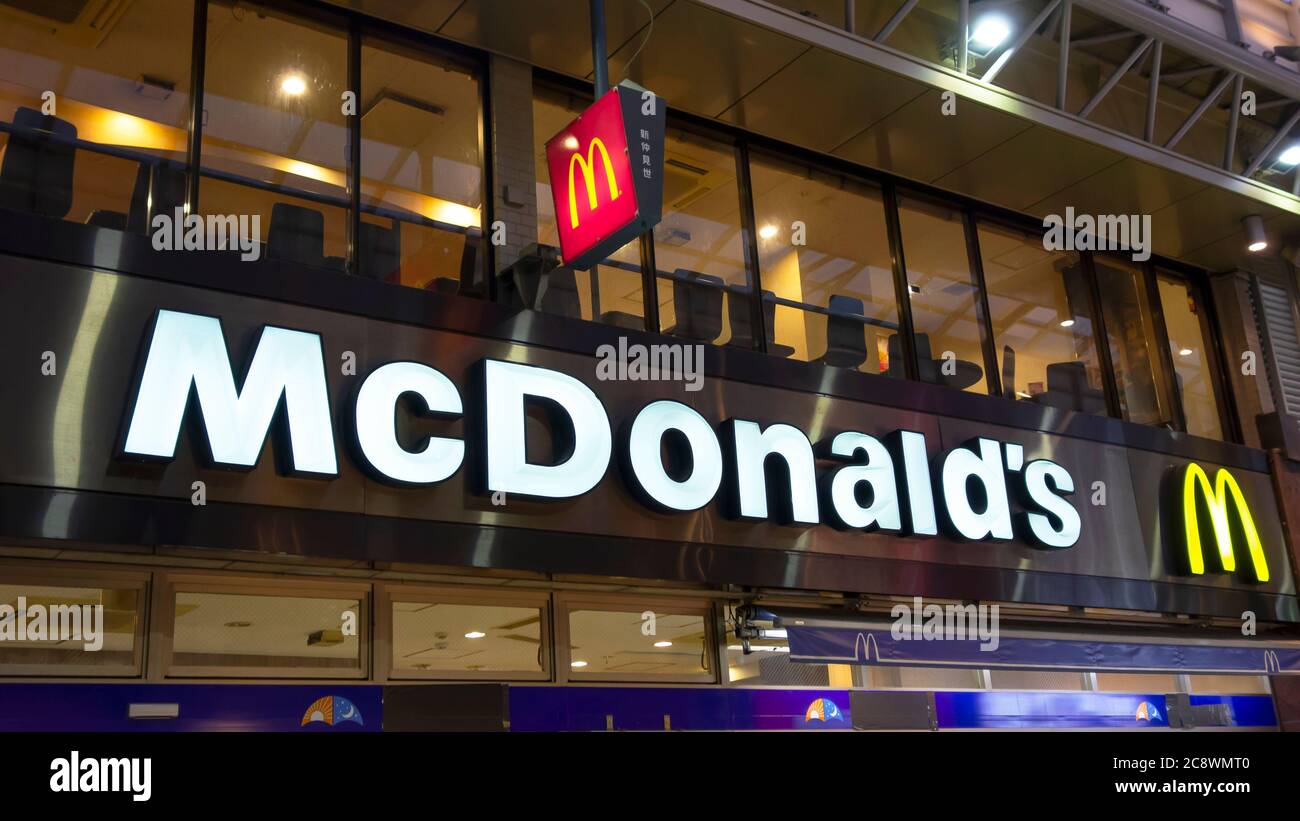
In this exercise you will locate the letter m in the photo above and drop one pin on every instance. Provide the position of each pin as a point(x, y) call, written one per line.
point(1196, 487)
point(189, 351)
point(588, 170)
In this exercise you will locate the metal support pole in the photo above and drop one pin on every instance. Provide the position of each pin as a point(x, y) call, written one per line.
point(963, 37)
point(194, 150)
point(1063, 61)
point(1020, 41)
point(851, 16)
point(902, 12)
point(1200, 109)
point(1153, 92)
point(1273, 143)
point(1231, 22)
point(599, 51)
point(1115, 77)
point(1234, 115)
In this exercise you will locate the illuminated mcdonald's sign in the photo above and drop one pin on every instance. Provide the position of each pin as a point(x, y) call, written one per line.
point(606, 173)
point(1224, 505)
point(588, 170)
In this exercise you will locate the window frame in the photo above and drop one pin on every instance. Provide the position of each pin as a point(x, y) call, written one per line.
point(568, 602)
point(386, 595)
point(162, 664)
point(82, 576)
point(1215, 358)
point(357, 30)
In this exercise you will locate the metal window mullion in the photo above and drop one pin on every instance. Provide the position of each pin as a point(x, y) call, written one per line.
point(749, 229)
point(488, 178)
point(649, 283)
point(993, 374)
point(902, 293)
point(1109, 382)
point(198, 65)
point(354, 150)
point(1161, 332)
point(1217, 362)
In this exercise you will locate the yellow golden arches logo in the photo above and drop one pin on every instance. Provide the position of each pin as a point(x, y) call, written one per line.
point(1196, 483)
point(588, 169)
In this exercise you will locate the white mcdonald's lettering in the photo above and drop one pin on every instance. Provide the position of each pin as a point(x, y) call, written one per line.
point(766, 472)
point(588, 169)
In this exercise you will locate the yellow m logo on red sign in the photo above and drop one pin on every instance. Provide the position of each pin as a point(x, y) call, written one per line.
point(588, 169)
point(1196, 484)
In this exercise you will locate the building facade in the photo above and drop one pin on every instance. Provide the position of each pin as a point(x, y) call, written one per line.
point(982, 311)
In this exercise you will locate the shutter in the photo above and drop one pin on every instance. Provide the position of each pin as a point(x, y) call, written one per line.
point(1277, 325)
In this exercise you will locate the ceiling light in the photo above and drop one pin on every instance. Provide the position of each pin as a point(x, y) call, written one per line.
point(663, 644)
point(571, 143)
point(475, 634)
point(767, 231)
point(577, 664)
point(988, 33)
point(1186, 352)
point(1067, 323)
point(293, 85)
point(1290, 156)
point(1256, 239)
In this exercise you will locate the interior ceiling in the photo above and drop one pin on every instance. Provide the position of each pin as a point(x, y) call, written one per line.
point(720, 66)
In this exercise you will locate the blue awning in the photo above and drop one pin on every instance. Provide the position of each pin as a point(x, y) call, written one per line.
point(877, 642)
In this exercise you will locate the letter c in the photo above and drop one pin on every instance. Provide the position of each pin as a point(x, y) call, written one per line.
point(376, 423)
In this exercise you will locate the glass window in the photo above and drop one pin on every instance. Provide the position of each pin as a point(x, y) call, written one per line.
point(452, 638)
point(945, 302)
point(1133, 350)
point(1035, 680)
point(1228, 685)
point(1188, 328)
point(699, 246)
point(882, 677)
point(271, 635)
point(274, 134)
point(1042, 322)
point(1137, 683)
point(117, 120)
point(823, 252)
point(627, 644)
point(421, 174)
point(65, 629)
point(611, 291)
